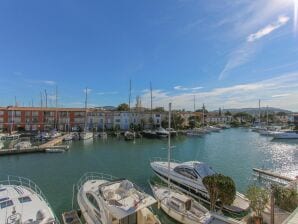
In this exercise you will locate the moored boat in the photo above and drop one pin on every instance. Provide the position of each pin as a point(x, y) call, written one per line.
point(162, 133)
point(22, 201)
point(286, 135)
point(53, 150)
point(128, 135)
point(180, 207)
point(188, 176)
point(23, 145)
point(108, 200)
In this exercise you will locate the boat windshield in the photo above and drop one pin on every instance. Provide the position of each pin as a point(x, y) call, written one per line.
point(204, 170)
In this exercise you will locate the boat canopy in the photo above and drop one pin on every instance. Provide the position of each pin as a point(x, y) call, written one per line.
point(203, 169)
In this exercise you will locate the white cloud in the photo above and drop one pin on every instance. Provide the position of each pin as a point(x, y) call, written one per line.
point(107, 93)
point(87, 90)
point(281, 95)
point(238, 57)
point(272, 91)
point(187, 88)
point(49, 82)
point(282, 20)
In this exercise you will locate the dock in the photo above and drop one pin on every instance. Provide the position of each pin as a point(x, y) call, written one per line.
point(37, 149)
point(53, 142)
point(272, 174)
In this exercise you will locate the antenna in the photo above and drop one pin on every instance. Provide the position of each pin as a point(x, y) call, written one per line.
point(129, 94)
point(194, 103)
point(40, 100)
point(46, 96)
point(169, 145)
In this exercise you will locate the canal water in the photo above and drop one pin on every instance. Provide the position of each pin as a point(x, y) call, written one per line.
point(233, 152)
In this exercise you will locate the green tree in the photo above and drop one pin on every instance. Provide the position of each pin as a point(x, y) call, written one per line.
point(158, 109)
point(258, 198)
point(285, 198)
point(194, 121)
point(228, 113)
point(220, 187)
point(227, 190)
point(210, 182)
point(123, 107)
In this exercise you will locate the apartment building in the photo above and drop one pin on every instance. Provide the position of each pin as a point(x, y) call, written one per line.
point(64, 119)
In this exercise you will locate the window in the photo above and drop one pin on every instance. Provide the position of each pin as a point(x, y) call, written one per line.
point(186, 172)
point(92, 200)
point(6, 204)
point(24, 199)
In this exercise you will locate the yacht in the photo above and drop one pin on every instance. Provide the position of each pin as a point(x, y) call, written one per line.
point(161, 132)
point(21, 201)
point(149, 134)
point(1, 145)
point(23, 145)
point(180, 206)
point(68, 137)
point(86, 135)
point(286, 135)
point(128, 135)
point(53, 150)
point(103, 135)
point(188, 177)
point(172, 131)
point(107, 200)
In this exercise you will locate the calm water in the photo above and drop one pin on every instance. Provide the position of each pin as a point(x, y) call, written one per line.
point(233, 152)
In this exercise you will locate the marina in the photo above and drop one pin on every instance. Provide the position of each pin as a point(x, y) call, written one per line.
point(131, 160)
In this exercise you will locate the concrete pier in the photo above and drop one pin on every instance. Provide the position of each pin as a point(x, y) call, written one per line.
point(35, 149)
point(272, 174)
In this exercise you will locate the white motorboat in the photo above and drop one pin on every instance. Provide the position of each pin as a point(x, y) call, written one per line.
point(1, 145)
point(23, 145)
point(161, 132)
point(12, 137)
point(213, 129)
point(104, 199)
point(128, 135)
point(55, 134)
point(188, 177)
point(68, 137)
point(177, 205)
point(286, 135)
point(171, 131)
point(21, 201)
point(103, 135)
point(181, 207)
point(53, 150)
point(86, 135)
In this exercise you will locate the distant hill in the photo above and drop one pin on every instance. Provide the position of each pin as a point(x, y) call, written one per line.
point(256, 110)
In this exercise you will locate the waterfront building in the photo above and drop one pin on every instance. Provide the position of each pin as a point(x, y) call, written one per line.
point(218, 119)
point(73, 119)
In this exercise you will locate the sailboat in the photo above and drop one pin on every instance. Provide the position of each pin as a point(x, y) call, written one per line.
point(103, 134)
point(86, 134)
point(130, 135)
point(177, 205)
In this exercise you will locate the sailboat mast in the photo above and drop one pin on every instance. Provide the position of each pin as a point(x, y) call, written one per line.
point(56, 112)
point(194, 103)
point(129, 94)
point(151, 106)
point(267, 116)
point(259, 112)
point(169, 145)
point(203, 115)
point(86, 95)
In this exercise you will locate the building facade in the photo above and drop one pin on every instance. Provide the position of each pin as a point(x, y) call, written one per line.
point(73, 119)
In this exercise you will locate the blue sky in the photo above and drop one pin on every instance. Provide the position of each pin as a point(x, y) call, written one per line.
point(227, 53)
